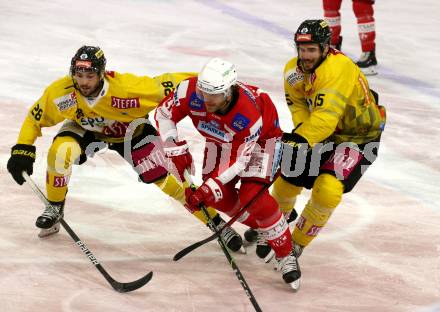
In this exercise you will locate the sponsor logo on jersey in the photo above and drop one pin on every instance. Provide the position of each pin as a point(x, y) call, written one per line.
point(195, 102)
point(197, 113)
point(314, 230)
point(90, 123)
point(65, 102)
point(304, 37)
point(124, 103)
point(300, 223)
point(249, 93)
point(240, 122)
point(276, 123)
point(84, 64)
point(294, 77)
point(212, 128)
point(60, 181)
point(253, 136)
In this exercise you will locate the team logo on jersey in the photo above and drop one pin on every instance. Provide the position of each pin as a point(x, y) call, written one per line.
point(65, 102)
point(124, 103)
point(240, 122)
point(195, 102)
point(212, 128)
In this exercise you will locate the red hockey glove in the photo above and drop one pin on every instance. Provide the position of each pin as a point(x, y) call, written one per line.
point(191, 208)
point(178, 158)
point(208, 194)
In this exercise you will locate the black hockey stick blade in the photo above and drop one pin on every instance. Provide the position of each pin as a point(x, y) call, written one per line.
point(191, 247)
point(127, 287)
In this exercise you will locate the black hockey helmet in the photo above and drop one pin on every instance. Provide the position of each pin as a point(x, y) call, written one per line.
point(313, 31)
point(88, 58)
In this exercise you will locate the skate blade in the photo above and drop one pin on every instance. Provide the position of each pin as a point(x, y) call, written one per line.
point(242, 250)
point(369, 71)
point(295, 285)
point(50, 231)
point(269, 257)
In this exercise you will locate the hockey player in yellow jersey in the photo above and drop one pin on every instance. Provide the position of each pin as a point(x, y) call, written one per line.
point(337, 129)
point(99, 108)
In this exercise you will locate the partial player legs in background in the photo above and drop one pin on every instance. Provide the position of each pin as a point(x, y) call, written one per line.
point(364, 12)
point(333, 18)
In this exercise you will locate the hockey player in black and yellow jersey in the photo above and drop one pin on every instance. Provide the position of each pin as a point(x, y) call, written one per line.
point(98, 108)
point(338, 125)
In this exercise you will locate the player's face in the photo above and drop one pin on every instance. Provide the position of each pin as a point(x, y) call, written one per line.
point(88, 82)
point(310, 55)
point(213, 102)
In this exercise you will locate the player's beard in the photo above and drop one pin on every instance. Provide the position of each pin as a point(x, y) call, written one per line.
point(88, 91)
point(309, 65)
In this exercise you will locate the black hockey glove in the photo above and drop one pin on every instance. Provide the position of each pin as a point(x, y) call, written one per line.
point(295, 149)
point(294, 142)
point(22, 159)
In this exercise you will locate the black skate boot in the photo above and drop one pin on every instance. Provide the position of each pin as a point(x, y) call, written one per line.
point(51, 215)
point(250, 235)
point(367, 63)
point(263, 250)
point(291, 216)
point(297, 250)
point(289, 267)
point(231, 238)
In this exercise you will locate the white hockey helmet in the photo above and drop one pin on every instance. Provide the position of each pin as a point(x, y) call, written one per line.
point(217, 77)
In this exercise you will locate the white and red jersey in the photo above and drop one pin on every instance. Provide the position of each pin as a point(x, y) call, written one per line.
point(240, 135)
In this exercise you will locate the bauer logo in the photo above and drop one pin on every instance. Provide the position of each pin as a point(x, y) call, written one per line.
point(65, 102)
point(240, 122)
point(125, 103)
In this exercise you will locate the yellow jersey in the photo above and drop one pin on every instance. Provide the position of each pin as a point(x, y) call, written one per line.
point(123, 98)
point(332, 103)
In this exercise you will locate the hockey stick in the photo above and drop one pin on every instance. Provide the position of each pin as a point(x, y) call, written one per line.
point(223, 246)
point(196, 245)
point(118, 286)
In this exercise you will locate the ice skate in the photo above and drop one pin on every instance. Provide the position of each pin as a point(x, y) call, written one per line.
point(289, 267)
point(250, 235)
point(50, 231)
point(297, 250)
point(50, 216)
point(367, 63)
point(263, 250)
point(231, 238)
